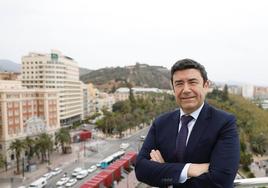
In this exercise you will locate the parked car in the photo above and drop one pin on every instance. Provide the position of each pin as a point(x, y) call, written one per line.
point(92, 169)
point(56, 171)
point(71, 182)
point(82, 174)
point(76, 171)
point(39, 183)
point(62, 181)
point(47, 175)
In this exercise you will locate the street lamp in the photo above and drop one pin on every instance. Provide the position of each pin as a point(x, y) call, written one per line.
point(6, 164)
point(23, 167)
point(84, 148)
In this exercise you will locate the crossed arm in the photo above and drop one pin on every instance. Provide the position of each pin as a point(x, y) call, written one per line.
point(193, 171)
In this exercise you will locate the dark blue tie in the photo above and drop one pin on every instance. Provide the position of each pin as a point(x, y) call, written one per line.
point(182, 137)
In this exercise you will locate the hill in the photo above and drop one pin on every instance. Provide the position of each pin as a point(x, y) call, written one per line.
point(140, 75)
point(83, 71)
point(9, 66)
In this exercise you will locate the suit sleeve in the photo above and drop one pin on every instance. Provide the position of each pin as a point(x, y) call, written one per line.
point(224, 160)
point(154, 173)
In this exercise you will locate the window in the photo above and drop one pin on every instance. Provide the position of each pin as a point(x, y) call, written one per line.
point(9, 104)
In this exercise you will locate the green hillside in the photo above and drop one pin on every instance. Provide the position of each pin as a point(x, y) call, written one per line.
point(252, 122)
point(139, 75)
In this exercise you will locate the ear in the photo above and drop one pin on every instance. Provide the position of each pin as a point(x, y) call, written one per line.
point(207, 84)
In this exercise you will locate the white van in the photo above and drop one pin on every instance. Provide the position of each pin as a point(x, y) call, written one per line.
point(39, 183)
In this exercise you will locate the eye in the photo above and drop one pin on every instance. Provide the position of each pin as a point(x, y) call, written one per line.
point(178, 84)
point(193, 82)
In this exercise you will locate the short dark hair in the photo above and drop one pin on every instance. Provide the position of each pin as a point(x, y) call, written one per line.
point(188, 64)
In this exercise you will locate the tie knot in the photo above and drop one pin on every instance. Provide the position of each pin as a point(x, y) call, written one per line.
point(185, 120)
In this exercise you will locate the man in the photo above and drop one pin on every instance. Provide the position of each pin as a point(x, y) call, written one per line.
point(200, 153)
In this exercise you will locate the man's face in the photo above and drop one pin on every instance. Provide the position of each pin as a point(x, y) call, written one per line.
point(190, 89)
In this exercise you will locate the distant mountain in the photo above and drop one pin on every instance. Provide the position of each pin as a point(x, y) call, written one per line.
point(83, 71)
point(9, 66)
point(139, 75)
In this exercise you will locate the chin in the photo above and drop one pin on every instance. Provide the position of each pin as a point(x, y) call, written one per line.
point(189, 108)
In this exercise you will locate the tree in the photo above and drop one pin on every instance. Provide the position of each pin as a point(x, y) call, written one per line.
point(120, 127)
point(258, 144)
point(18, 146)
point(131, 94)
point(64, 138)
point(45, 146)
point(29, 146)
point(122, 106)
point(2, 161)
point(245, 159)
point(225, 96)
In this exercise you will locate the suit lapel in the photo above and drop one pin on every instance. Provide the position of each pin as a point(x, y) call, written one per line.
point(174, 127)
point(200, 126)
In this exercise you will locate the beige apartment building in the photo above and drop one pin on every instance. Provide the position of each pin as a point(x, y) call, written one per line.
point(93, 94)
point(56, 71)
point(9, 76)
point(25, 112)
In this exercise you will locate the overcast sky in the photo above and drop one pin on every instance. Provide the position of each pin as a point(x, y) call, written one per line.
point(230, 38)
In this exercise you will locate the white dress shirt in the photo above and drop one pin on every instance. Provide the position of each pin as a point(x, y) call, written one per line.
point(195, 114)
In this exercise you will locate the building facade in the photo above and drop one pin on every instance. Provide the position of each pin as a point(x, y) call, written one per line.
point(25, 112)
point(56, 71)
point(9, 76)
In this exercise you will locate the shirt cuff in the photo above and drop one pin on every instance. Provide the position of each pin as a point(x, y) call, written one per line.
point(183, 176)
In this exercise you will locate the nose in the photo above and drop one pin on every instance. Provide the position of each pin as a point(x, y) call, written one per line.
point(186, 88)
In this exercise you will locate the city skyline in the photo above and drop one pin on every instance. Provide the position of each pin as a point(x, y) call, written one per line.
point(228, 38)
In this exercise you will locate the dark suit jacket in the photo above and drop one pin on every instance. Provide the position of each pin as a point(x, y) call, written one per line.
point(214, 139)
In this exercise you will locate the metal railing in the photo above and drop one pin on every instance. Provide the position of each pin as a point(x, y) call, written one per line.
point(251, 182)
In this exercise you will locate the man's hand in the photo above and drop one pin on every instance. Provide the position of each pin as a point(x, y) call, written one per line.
point(156, 156)
point(197, 169)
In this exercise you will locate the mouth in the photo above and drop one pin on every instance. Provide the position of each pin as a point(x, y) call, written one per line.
point(187, 98)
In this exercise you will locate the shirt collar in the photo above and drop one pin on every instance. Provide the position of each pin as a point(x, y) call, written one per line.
point(194, 114)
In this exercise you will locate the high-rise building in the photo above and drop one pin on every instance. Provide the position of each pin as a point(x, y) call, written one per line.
point(60, 72)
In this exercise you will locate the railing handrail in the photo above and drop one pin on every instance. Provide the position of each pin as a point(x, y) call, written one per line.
point(249, 182)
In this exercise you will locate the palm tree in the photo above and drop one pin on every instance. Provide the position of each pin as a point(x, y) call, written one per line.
point(17, 146)
point(64, 138)
point(45, 146)
point(29, 144)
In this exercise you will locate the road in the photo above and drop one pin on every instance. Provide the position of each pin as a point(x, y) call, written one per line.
point(105, 148)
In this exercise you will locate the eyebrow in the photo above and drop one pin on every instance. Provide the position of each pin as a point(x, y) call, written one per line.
point(189, 80)
point(193, 79)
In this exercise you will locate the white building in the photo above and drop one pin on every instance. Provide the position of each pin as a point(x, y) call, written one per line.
point(57, 71)
point(248, 91)
point(137, 90)
point(122, 93)
point(104, 100)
